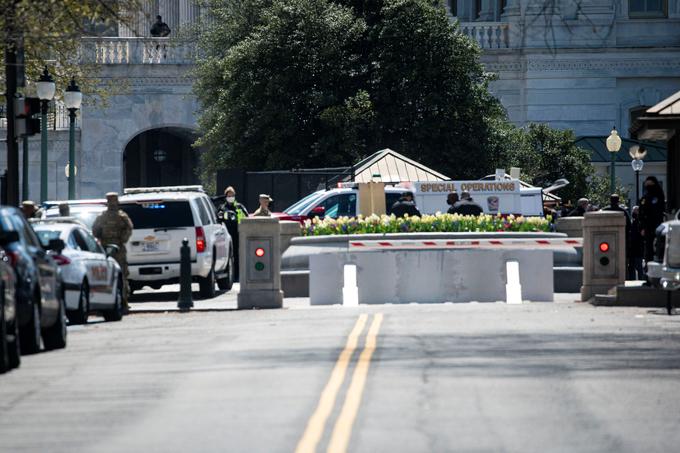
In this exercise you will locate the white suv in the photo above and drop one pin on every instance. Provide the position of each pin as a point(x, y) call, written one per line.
point(162, 217)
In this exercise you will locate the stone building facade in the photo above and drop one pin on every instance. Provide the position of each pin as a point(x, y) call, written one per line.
point(585, 65)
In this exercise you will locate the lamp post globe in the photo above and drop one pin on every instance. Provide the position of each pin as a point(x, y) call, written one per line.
point(73, 98)
point(45, 88)
point(613, 146)
point(637, 153)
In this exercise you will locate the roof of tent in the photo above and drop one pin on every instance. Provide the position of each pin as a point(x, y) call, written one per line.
point(394, 168)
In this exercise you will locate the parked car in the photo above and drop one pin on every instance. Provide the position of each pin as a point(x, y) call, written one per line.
point(92, 279)
point(162, 217)
point(39, 293)
point(655, 268)
point(84, 210)
point(10, 356)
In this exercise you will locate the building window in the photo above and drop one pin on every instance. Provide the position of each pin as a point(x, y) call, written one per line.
point(647, 8)
point(501, 6)
point(453, 7)
point(478, 8)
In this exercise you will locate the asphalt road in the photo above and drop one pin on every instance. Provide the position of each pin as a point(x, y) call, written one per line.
point(415, 378)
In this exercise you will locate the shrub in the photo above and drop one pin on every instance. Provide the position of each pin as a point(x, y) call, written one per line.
point(438, 223)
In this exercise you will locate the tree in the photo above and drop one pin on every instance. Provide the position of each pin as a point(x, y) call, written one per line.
point(51, 33)
point(322, 83)
point(545, 154)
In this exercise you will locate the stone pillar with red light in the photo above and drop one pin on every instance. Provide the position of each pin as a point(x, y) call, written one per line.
point(260, 263)
point(604, 252)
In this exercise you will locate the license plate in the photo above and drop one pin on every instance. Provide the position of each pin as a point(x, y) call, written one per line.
point(151, 246)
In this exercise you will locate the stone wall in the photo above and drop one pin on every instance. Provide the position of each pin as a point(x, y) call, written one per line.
point(56, 163)
point(156, 96)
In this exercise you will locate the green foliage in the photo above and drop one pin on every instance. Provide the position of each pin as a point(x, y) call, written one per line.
point(438, 223)
point(545, 154)
point(599, 190)
point(52, 31)
point(295, 83)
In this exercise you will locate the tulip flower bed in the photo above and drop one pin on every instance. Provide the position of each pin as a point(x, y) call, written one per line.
point(438, 223)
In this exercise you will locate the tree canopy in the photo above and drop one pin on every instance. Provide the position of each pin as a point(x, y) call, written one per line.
point(295, 83)
point(51, 31)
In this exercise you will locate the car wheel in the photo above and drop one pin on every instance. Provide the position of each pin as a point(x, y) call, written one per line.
point(30, 334)
point(13, 346)
point(227, 282)
point(54, 336)
point(207, 284)
point(80, 315)
point(4, 352)
point(116, 313)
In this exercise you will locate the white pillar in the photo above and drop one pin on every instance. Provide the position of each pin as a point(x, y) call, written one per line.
point(169, 9)
point(139, 22)
point(188, 12)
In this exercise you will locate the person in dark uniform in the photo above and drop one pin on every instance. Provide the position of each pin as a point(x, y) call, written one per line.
point(405, 206)
point(637, 248)
point(159, 29)
point(614, 205)
point(467, 206)
point(582, 206)
point(652, 205)
point(231, 213)
point(451, 200)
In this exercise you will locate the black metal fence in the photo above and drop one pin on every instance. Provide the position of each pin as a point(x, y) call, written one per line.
point(285, 187)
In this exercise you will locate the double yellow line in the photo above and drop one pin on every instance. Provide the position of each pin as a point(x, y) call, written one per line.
point(342, 431)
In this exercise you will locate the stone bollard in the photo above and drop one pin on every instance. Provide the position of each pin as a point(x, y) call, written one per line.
point(604, 252)
point(260, 263)
point(185, 301)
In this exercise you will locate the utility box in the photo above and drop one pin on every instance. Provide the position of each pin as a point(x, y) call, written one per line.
point(372, 198)
point(604, 252)
point(260, 263)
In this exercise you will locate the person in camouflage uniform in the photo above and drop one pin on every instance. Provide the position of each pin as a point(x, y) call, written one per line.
point(113, 226)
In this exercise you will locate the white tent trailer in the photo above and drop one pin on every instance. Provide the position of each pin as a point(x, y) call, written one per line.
point(506, 196)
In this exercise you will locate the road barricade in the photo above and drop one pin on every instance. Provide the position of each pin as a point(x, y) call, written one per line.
point(436, 271)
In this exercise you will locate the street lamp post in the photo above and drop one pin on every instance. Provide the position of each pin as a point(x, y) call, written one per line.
point(72, 99)
point(613, 145)
point(45, 88)
point(637, 153)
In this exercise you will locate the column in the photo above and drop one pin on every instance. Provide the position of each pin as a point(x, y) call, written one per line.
point(169, 9)
point(512, 8)
point(138, 23)
point(487, 13)
point(188, 13)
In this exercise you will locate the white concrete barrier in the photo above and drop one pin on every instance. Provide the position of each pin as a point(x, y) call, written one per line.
point(431, 276)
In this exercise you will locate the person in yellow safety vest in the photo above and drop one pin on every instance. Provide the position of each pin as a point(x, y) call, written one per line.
point(231, 213)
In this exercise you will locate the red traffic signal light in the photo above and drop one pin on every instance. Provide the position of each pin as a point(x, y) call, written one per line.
point(259, 252)
point(604, 247)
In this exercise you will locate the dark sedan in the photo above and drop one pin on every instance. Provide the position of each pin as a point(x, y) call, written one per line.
point(39, 293)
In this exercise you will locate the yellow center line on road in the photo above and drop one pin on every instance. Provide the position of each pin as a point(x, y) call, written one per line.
point(317, 422)
point(342, 431)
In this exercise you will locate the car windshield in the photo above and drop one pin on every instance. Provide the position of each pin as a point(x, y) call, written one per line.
point(159, 214)
point(300, 206)
point(46, 236)
point(86, 214)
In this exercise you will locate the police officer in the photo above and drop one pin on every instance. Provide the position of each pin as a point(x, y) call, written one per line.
point(64, 210)
point(30, 211)
point(263, 210)
point(113, 226)
point(231, 213)
point(466, 206)
point(652, 206)
point(405, 206)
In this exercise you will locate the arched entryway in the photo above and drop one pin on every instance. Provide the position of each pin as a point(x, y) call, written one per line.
point(161, 157)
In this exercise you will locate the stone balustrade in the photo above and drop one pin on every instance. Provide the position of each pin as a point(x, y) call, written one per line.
point(137, 51)
point(489, 35)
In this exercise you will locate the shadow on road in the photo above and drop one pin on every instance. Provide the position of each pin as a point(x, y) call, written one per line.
point(165, 296)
